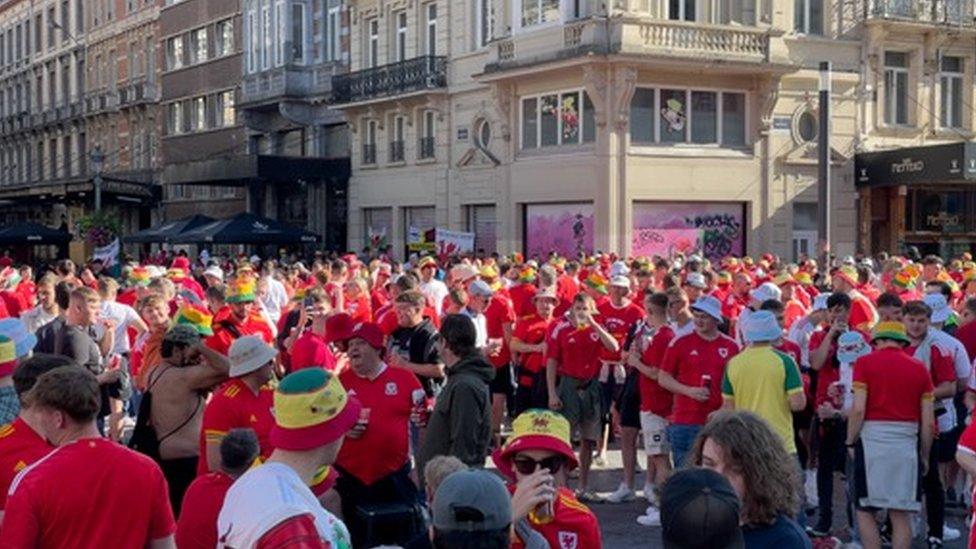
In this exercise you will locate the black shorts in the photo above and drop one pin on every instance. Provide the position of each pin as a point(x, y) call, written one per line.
point(502, 383)
point(628, 400)
point(945, 444)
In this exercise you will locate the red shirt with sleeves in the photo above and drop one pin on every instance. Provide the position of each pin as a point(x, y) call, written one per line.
point(385, 444)
point(359, 309)
point(531, 330)
point(790, 349)
point(573, 524)
point(967, 335)
point(895, 384)
point(20, 446)
point(521, 296)
point(618, 321)
point(223, 337)
point(863, 315)
point(499, 313)
point(89, 493)
point(941, 365)
point(234, 405)
point(654, 398)
point(830, 372)
point(967, 445)
point(576, 351)
point(311, 350)
point(688, 359)
point(298, 532)
point(197, 525)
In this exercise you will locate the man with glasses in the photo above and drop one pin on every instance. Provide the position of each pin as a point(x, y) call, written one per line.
point(536, 459)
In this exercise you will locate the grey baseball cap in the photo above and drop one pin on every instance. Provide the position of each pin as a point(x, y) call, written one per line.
point(472, 501)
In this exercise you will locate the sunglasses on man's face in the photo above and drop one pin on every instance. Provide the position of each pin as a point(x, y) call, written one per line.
point(527, 465)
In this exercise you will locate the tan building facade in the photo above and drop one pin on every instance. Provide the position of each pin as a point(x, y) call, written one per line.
point(657, 126)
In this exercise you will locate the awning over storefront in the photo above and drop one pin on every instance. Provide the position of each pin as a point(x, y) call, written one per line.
point(952, 163)
point(169, 230)
point(246, 228)
point(32, 234)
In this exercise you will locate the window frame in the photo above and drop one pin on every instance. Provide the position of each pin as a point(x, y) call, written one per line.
point(485, 21)
point(299, 48)
point(400, 22)
point(948, 101)
point(890, 114)
point(688, 138)
point(431, 28)
point(373, 42)
point(280, 26)
point(333, 26)
point(518, 23)
point(537, 97)
point(803, 25)
point(174, 60)
point(195, 36)
point(266, 45)
point(223, 45)
point(682, 11)
point(252, 46)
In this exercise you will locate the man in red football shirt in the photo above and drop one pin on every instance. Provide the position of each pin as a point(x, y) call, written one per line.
point(529, 341)
point(863, 315)
point(692, 370)
point(500, 323)
point(966, 458)
point(374, 463)
point(245, 400)
point(63, 500)
point(650, 342)
point(20, 441)
point(243, 320)
point(573, 356)
point(196, 527)
point(618, 316)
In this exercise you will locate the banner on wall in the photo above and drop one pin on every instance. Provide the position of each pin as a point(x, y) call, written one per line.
point(108, 254)
point(419, 240)
point(453, 242)
point(377, 238)
point(716, 229)
point(566, 229)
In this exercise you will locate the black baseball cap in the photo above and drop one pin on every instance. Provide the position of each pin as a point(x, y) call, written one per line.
point(700, 510)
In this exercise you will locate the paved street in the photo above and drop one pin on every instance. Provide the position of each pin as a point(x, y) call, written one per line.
point(620, 528)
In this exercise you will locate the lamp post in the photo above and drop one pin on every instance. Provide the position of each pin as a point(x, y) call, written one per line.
point(97, 161)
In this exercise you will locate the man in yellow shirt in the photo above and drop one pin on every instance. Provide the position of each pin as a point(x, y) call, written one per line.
point(763, 380)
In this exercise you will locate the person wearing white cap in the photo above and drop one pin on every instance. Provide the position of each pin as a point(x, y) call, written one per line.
point(694, 286)
point(214, 276)
point(479, 293)
point(619, 315)
point(801, 330)
point(619, 268)
point(764, 292)
point(692, 370)
point(764, 381)
point(245, 400)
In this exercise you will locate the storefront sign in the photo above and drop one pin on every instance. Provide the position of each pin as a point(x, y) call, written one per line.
point(934, 164)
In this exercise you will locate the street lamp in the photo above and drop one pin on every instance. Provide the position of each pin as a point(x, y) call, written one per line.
point(97, 161)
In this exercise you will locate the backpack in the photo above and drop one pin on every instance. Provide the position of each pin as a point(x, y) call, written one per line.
point(145, 439)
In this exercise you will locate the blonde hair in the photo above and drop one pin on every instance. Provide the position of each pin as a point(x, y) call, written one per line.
point(439, 468)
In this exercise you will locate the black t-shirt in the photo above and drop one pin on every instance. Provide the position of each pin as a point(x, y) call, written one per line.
point(417, 345)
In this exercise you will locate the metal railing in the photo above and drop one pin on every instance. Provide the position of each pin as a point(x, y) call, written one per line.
point(419, 73)
point(944, 12)
point(425, 148)
point(396, 151)
point(369, 153)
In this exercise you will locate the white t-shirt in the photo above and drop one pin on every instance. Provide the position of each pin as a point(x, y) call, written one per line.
point(124, 316)
point(264, 497)
point(680, 331)
point(435, 291)
point(276, 298)
point(480, 327)
point(800, 333)
point(36, 318)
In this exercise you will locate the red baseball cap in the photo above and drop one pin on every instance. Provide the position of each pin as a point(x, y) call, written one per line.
point(369, 332)
point(338, 327)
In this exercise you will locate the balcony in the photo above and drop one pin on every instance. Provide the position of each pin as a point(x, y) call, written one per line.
point(396, 151)
point(425, 148)
point(959, 13)
point(413, 75)
point(137, 93)
point(287, 82)
point(369, 153)
point(99, 102)
point(659, 39)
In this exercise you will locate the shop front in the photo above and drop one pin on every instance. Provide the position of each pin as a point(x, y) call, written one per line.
point(920, 196)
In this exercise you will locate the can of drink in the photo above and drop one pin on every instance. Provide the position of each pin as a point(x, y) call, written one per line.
point(706, 381)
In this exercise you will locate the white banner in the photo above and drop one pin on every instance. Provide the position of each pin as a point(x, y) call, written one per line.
point(454, 242)
point(109, 255)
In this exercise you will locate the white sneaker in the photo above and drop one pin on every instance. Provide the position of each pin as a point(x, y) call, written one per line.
point(950, 534)
point(650, 494)
point(810, 487)
point(651, 518)
point(623, 493)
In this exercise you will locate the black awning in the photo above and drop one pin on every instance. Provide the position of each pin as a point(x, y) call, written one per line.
point(246, 228)
point(168, 230)
point(952, 163)
point(32, 233)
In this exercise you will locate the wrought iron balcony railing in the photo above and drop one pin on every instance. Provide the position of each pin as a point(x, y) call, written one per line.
point(396, 151)
point(420, 73)
point(369, 153)
point(942, 12)
point(425, 148)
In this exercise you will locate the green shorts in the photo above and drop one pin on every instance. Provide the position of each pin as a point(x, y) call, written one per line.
point(581, 405)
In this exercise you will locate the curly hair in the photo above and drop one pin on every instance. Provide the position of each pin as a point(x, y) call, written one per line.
point(750, 447)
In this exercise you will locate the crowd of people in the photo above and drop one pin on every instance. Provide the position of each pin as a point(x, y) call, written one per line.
point(360, 401)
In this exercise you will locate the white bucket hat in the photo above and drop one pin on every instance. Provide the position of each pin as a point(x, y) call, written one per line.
point(248, 354)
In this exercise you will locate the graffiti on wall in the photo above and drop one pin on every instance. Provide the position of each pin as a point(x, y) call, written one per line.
point(662, 228)
point(566, 229)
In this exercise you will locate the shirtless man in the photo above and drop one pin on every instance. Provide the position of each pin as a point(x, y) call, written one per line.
point(188, 369)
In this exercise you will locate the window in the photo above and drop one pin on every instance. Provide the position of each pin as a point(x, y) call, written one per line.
point(369, 142)
point(298, 33)
point(79, 17)
point(951, 92)
point(198, 46)
point(534, 12)
point(485, 19)
point(396, 144)
point(373, 47)
point(808, 16)
point(266, 33)
point(38, 27)
point(681, 10)
point(174, 53)
point(668, 116)
point(224, 38)
point(252, 28)
point(225, 109)
point(400, 54)
point(557, 119)
point(482, 134)
point(332, 40)
point(427, 137)
point(896, 88)
point(198, 114)
point(176, 118)
point(64, 21)
point(281, 34)
point(431, 29)
point(51, 25)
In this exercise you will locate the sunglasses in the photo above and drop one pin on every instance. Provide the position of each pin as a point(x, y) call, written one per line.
point(527, 465)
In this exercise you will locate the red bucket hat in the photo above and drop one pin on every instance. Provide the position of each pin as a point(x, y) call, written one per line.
point(536, 429)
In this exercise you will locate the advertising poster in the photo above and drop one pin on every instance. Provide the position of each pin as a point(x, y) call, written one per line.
point(566, 229)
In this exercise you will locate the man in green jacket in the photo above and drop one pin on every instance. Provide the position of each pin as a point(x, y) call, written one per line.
point(460, 424)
